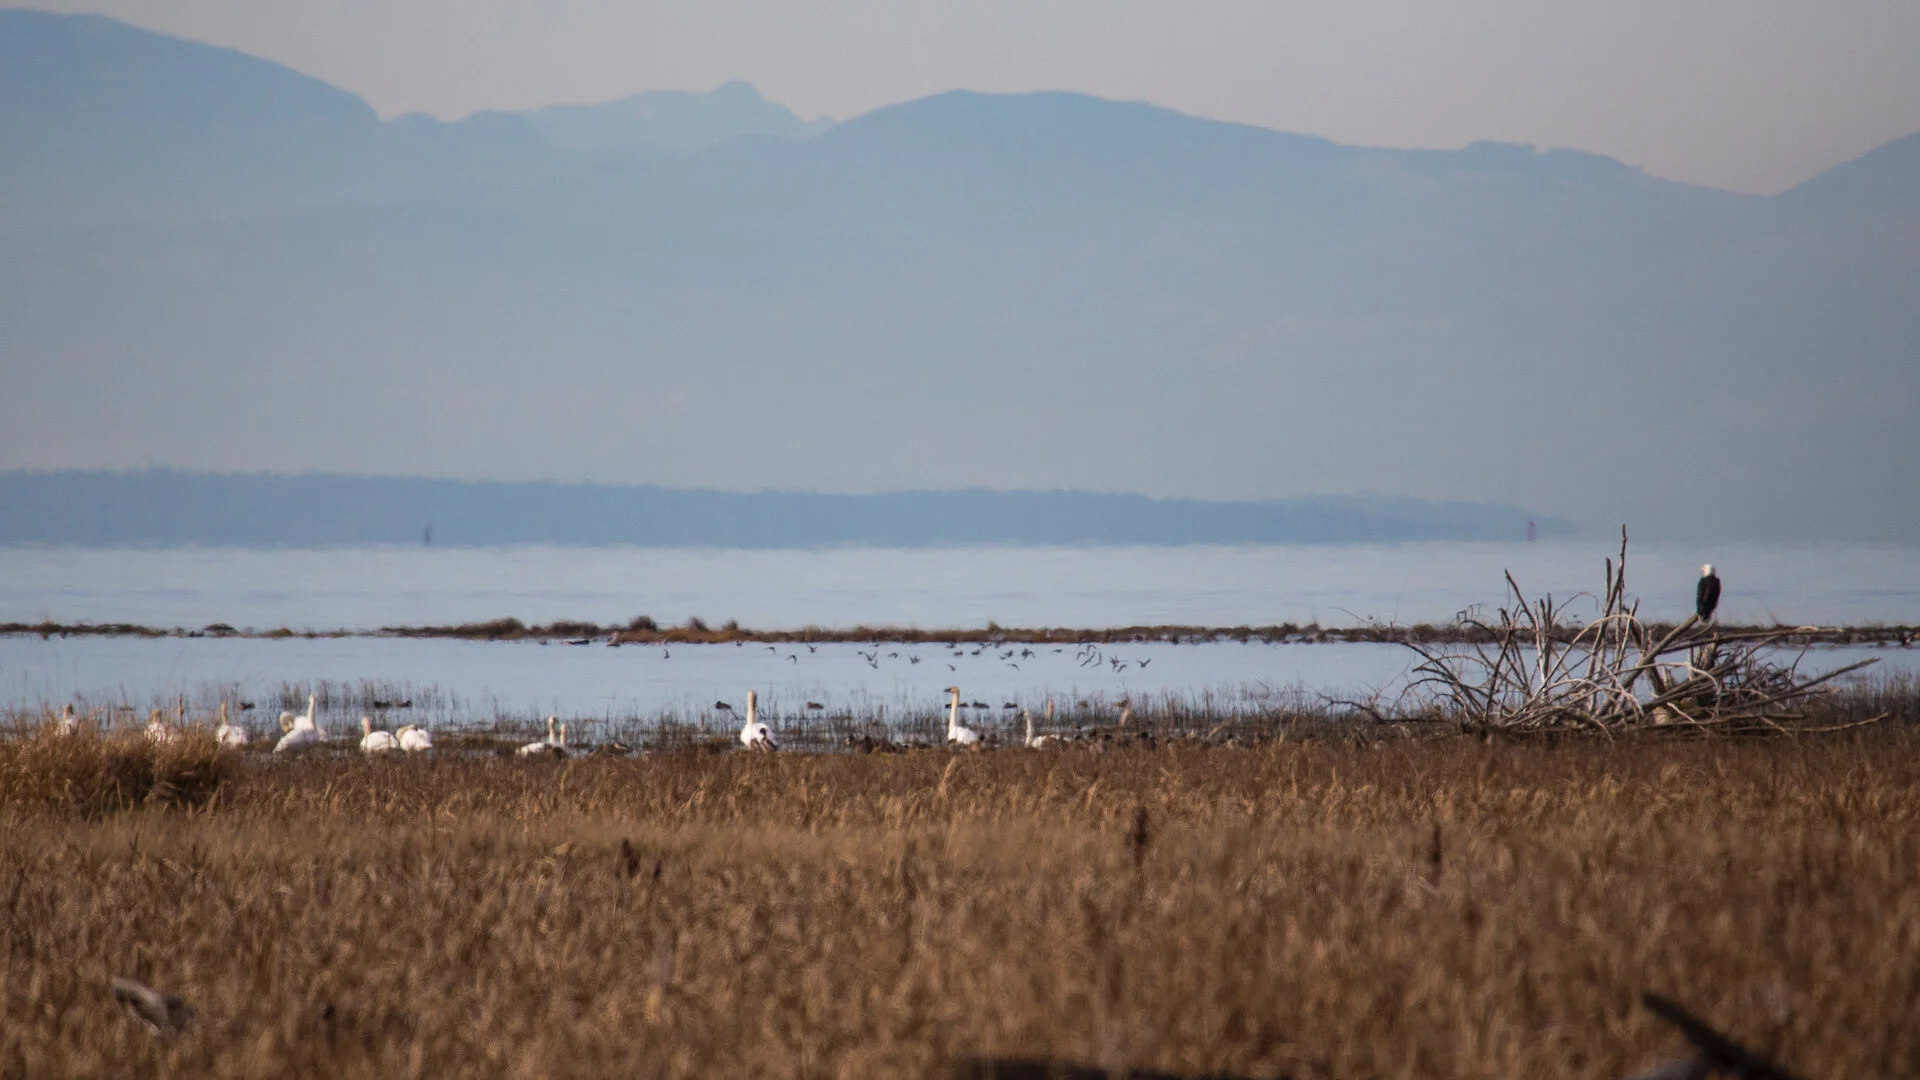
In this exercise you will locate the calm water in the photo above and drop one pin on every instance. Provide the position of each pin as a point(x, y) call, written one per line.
point(466, 682)
point(359, 588)
point(477, 681)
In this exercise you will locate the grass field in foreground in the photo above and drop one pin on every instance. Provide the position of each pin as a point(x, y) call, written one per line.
point(1442, 907)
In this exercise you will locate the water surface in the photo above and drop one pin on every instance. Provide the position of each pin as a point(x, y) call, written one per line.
point(368, 587)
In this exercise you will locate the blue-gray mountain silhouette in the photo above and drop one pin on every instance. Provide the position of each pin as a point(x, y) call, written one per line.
point(1034, 291)
point(670, 120)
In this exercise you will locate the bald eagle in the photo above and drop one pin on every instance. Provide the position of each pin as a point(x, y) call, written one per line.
point(1706, 595)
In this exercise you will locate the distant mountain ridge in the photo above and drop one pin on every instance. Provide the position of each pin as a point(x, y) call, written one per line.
point(213, 260)
point(167, 507)
point(671, 120)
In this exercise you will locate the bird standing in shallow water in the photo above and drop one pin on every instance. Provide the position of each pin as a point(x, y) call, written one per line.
point(229, 734)
point(755, 735)
point(375, 742)
point(958, 734)
point(555, 743)
point(1039, 742)
point(304, 734)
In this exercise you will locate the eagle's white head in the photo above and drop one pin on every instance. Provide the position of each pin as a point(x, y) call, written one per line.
point(1706, 570)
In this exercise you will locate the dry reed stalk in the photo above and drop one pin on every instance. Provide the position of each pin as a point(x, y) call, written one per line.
point(1319, 909)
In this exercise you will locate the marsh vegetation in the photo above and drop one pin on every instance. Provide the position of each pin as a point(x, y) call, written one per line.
point(1362, 904)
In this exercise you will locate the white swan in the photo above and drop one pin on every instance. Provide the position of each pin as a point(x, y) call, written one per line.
point(375, 742)
point(957, 733)
point(414, 738)
point(157, 729)
point(555, 744)
point(305, 734)
point(66, 724)
point(1036, 742)
point(229, 734)
point(755, 735)
point(289, 721)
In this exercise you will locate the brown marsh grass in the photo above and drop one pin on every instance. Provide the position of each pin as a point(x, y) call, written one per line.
point(88, 772)
point(1435, 907)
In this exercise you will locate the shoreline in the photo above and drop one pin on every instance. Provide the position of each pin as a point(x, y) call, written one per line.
point(697, 632)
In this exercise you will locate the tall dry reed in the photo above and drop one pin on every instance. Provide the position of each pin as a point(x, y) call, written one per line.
point(1333, 908)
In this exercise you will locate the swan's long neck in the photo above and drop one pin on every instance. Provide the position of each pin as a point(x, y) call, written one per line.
point(311, 698)
point(551, 737)
point(1029, 713)
point(1049, 714)
point(563, 737)
point(953, 712)
point(366, 725)
point(752, 700)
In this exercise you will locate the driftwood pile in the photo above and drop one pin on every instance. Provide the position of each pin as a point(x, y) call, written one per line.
point(1540, 668)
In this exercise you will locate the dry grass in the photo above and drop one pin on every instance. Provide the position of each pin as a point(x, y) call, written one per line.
point(89, 772)
point(1437, 907)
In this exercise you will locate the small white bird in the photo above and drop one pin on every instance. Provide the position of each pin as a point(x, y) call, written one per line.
point(755, 735)
point(554, 743)
point(303, 734)
point(229, 734)
point(157, 729)
point(375, 742)
point(66, 724)
point(414, 738)
point(957, 733)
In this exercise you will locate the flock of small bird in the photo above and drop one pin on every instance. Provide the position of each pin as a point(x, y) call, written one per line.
point(1087, 655)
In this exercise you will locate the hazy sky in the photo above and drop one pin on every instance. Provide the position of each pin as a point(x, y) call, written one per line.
point(1752, 95)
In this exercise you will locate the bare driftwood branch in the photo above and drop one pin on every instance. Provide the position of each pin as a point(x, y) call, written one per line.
point(1531, 666)
point(1717, 1051)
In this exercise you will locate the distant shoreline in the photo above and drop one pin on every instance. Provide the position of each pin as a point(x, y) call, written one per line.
point(167, 508)
point(697, 632)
